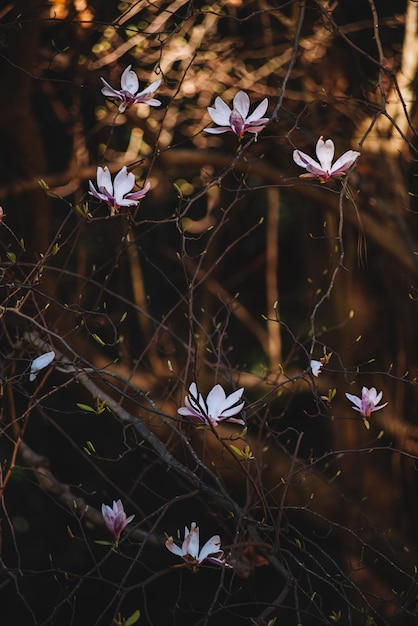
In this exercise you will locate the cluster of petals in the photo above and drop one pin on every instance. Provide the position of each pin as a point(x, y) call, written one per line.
point(115, 518)
point(216, 408)
point(323, 168)
point(189, 550)
point(117, 193)
point(40, 363)
point(128, 93)
point(368, 402)
point(237, 119)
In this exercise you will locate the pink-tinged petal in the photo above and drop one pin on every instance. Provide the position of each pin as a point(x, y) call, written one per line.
point(174, 548)
point(129, 80)
point(344, 162)
point(220, 113)
point(137, 195)
point(258, 112)
point(241, 103)
point(104, 180)
point(95, 193)
point(258, 126)
point(216, 397)
point(191, 413)
point(325, 153)
point(303, 160)
point(145, 97)
point(355, 400)
point(217, 131)
point(108, 90)
point(381, 406)
point(212, 546)
point(191, 541)
point(153, 102)
point(123, 183)
point(150, 89)
point(237, 123)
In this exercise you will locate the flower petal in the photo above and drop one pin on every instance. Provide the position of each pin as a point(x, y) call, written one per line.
point(217, 131)
point(104, 180)
point(220, 113)
point(40, 363)
point(355, 400)
point(258, 112)
point(241, 103)
point(137, 195)
point(108, 90)
point(303, 160)
point(216, 397)
point(325, 153)
point(129, 80)
point(226, 413)
point(212, 546)
point(344, 163)
point(191, 541)
point(123, 183)
point(173, 547)
point(232, 399)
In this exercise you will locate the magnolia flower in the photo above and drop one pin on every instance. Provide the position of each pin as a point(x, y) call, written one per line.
point(129, 93)
point(116, 194)
point(115, 519)
point(324, 170)
point(236, 119)
point(316, 367)
point(40, 363)
point(368, 401)
point(189, 550)
point(217, 407)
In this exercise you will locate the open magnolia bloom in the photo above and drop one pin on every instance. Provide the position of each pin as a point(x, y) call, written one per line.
point(368, 401)
point(129, 93)
point(237, 119)
point(324, 170)
point(40, 363)
point(116, 194)
point(217, 407)
point(115, 518)
point(189, 550)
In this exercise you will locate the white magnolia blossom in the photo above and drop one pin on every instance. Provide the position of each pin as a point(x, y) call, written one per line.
point(117, 193)
point(216, 408)
point(324, 170)
point(40, 363)
point(237, 119)
point(368, 401)
point(129, 94)
point(189, 550)
point(115, 518)
point(316, 367)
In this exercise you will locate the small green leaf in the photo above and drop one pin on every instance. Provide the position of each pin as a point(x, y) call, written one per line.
point(133, 618)
point(11, 256)
point(98, 339)
point(101, 542)
point(179, 191)
point(86, 407)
